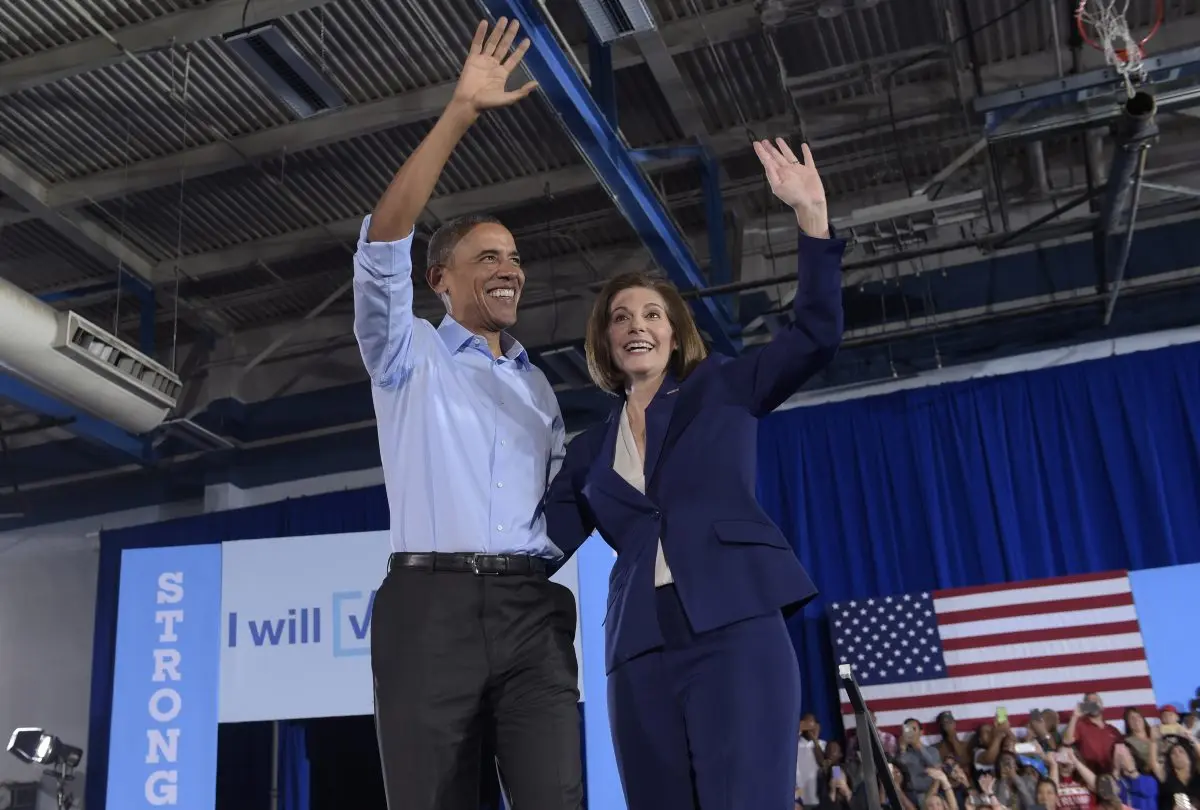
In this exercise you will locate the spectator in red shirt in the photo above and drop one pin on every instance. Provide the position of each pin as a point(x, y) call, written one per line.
point(1073, 794)
point(1092, 737)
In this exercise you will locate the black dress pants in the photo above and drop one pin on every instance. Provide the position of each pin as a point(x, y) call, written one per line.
point(465, 663)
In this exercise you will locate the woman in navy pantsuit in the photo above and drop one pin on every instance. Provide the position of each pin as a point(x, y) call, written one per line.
point(704, 689)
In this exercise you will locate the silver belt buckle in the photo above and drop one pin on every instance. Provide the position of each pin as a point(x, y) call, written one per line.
point(475, 568)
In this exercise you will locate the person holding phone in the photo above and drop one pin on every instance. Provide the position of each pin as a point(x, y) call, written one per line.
point(841, 795)
point(1043, 728)
point(1091, 735)
point(810, 760)
point(918, 760)
point(951, 747)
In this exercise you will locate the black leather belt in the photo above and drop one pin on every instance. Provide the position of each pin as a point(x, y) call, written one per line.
point(478, 564)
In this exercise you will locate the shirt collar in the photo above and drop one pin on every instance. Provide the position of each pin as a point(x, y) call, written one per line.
point(457, 337)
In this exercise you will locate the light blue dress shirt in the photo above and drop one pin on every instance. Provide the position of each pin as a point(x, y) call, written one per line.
point(468, 442)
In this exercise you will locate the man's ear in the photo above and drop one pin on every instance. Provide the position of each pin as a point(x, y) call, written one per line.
point(435, 276)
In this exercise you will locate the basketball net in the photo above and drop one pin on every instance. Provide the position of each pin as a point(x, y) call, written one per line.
point(1107, 19)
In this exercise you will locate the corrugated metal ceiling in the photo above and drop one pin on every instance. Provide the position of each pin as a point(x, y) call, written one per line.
point(175, 98)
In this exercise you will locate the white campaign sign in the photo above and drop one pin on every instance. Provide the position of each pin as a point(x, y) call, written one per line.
point(296, 613)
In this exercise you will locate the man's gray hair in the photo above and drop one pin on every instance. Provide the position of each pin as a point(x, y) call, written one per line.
point(446, 238)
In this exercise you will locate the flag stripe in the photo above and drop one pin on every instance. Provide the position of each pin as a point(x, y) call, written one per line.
point(929, 727)
point(1015, 647)
point(1128, 675)
point(1051, 609)
point(1032, 593)
point(969, 716)
point(1127, 627)
point(1077, 618)
point(1027, 663)
point(1011, 694)
point(1029, 583)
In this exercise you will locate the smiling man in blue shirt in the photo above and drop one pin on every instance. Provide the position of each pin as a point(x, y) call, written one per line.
point(470, 641)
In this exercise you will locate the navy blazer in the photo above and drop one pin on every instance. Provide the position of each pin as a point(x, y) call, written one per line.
point(729, 561)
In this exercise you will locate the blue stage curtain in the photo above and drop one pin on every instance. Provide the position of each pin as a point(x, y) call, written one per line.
point(293, 766)
point(1080, 468)
point(244, 748)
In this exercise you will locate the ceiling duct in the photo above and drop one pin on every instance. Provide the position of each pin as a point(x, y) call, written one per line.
point(613, 19)
point(903, 223)
point(270, 55)
point(77, 362)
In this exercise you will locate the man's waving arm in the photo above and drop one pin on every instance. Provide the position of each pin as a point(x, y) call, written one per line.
point(383, 289)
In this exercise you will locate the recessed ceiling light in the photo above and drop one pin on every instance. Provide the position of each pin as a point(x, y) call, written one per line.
point(772, 13)
point(831, 8)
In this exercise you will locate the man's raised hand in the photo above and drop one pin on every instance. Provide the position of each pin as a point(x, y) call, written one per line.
point(481, 86)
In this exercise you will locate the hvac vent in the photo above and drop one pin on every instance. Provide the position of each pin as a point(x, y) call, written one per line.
point(271, 56)
point(90, 346)
point(613, 19)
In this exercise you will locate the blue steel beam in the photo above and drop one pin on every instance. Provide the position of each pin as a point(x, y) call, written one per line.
point(604, 83)
point(138, 285)
point(77, 292)
point(720, 270)
point(615, 168)
point(81, 424)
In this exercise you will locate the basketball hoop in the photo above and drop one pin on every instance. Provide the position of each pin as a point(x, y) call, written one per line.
point(1103, 25)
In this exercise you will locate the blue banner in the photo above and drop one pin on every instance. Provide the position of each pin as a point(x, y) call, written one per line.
point(596, 560)
point(163, 744)
point(1160, 596)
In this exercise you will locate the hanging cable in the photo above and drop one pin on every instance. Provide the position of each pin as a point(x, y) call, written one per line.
point(125, 161)
point(889, 80)
point(181, 96)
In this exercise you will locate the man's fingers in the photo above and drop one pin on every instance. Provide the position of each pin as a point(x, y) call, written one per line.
point(493, 40)
point(480, 36)
point(513, 59)
point(506, 41)
point(520, 92)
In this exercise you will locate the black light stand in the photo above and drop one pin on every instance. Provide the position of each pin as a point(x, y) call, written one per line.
point(59, 760)
point(874, 762)
point(62, 773)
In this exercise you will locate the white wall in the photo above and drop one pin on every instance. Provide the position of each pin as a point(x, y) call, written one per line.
point(46, 607)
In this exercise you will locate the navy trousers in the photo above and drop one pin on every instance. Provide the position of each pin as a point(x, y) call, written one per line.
point(708, 722)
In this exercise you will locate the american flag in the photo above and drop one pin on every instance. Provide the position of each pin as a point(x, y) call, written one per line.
point(1029, 645)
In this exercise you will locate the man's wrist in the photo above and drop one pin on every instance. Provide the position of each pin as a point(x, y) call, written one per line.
point(460, 113)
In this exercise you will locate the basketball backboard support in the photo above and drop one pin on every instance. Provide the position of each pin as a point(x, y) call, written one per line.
point(1086, 100)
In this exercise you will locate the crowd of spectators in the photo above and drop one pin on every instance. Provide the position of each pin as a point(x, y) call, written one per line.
point(1088, 763)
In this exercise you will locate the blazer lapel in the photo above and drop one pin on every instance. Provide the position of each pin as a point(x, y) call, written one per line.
point(602, 473)
point(685, 403)
point(658, 420)
point(608, 449)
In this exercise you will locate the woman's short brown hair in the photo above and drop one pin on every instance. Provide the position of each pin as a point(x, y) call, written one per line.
point(689, 347)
